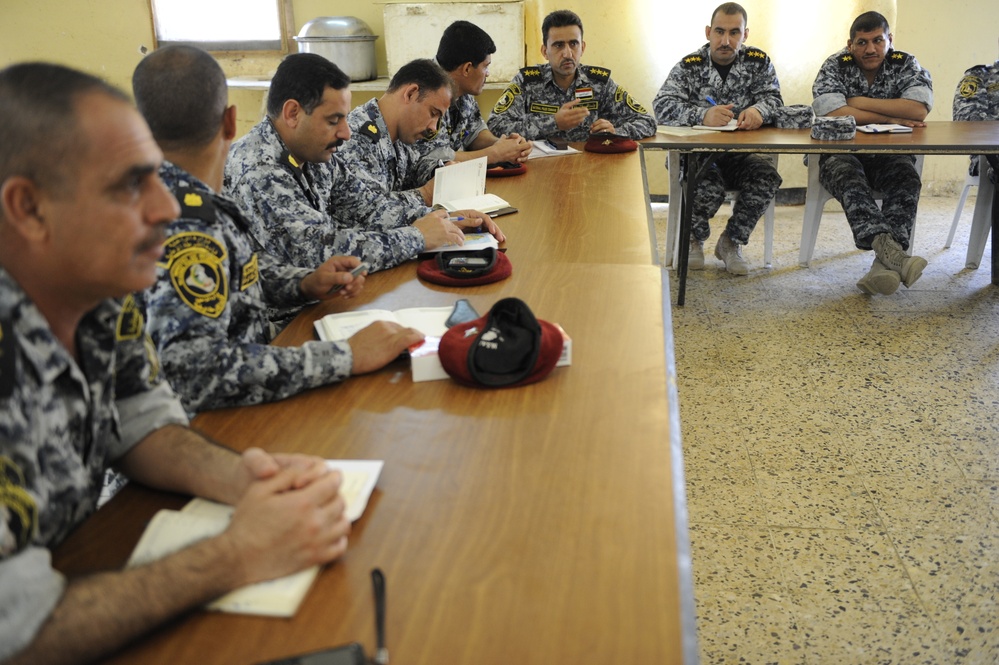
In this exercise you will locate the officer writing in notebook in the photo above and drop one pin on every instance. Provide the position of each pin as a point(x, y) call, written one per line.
point(725, 81)
point(207, 313)
point(80, 390)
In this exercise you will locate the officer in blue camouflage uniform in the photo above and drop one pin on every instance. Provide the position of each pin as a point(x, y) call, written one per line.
point(977, 99)
point(281, 176)
point(206, 311)
point(465, 52)
point(725, 80)
point(876, 84)
point(564, 99)
point(80, 391)
point(384, 131)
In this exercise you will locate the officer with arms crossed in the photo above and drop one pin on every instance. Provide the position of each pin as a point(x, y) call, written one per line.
point(384, 130)
point(211, 332)
point(725, 81)
point(565, 99)
point(465, 52)
point(876, 84)
point(281, 176)
point(79, 392)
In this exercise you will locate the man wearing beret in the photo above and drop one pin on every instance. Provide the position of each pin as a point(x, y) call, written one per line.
point(876, 84)
point(565, 99)
point(725, 81)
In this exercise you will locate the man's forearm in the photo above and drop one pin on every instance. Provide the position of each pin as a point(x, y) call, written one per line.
point(906, 109)
point(179, 459)
point(101, 613)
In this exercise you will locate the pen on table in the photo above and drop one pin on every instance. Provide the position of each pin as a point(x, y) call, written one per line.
point(440, 163)
point(711, 100)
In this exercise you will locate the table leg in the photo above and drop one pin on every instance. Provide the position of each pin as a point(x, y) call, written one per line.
point(994, 162)
point(697, 165)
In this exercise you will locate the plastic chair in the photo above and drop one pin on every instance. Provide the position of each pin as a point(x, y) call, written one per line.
point(981, 220)
point(815, 198)
point(673, 214)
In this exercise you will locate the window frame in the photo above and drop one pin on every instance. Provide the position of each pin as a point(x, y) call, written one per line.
point(255, 47)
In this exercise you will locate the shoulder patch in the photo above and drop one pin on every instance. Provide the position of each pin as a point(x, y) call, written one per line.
point(370, 130)
point(7, 341)
point(130, 321)
point(194, 262)
point(968, 87)
point(195, 204)
point(531, 73)
point(625, 96)
point(506, 99)
point(599, 73)
point(21, 511)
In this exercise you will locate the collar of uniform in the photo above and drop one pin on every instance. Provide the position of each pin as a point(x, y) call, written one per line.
point(370, 122)
point(46, 354)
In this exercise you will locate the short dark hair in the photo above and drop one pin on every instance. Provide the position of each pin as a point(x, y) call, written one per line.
point(39, 120)
point(868, 22)
point(463, 42)
point(182, 93)
point(303, 77)
point(560, 18)
point(730, 8)
point(426, 74)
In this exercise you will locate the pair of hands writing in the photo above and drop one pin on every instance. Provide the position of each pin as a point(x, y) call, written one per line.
point(721, 114)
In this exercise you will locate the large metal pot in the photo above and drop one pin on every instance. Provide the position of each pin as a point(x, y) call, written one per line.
point(343, 40)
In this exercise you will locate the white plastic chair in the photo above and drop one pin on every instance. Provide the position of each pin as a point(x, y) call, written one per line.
point(981, 220)
point(815, 198)
point(672, 248)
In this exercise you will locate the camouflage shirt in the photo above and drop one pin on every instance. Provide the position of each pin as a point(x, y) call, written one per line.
point(977, 95)
point(528, 106)
point(900, 77)
point(387, 167)
point(288, 207)
point(207, 310)
point(62, 423)
point(751, 82)
point(459, 128)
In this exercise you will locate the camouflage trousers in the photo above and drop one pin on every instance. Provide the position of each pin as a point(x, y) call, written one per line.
point(852, 179)
point(756, 180)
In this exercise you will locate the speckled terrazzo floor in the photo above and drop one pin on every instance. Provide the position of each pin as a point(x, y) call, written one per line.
point(842, 452)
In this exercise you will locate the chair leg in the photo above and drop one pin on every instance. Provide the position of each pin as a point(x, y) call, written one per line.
point(957, 213)
point(673, 212)
point(768, 236)
point(981, 225)
point(815, 197)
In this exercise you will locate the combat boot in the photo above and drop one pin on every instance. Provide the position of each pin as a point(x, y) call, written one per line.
point(879, 280)
point(731, 254)
point(695, 259)
point(893, 257)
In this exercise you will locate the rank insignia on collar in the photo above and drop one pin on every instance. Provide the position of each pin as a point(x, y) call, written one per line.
point(287, 158)
point(194, 204)
point(370, 130)
point(193, 199)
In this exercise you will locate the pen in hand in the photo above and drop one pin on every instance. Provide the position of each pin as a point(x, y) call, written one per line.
point(711, 100)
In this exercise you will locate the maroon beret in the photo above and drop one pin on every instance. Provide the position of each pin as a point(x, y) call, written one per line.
point(507, 347)
point(607, 142)
point(466, 267)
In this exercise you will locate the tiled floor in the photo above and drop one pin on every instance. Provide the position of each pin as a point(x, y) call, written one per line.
point(842, 453)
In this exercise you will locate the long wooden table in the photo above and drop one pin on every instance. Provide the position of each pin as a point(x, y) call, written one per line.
point(541, 524)
point(937, 138)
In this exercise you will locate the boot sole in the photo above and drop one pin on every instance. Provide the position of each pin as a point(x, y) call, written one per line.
point(912, 270)
point(883, 284)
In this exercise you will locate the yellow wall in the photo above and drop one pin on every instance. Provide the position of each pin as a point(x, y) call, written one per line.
point(640, 40)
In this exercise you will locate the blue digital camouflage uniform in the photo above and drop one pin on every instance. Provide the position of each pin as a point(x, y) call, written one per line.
point(683, 101)
point(207, 311)
point(852, 179)
point(387, 167)
point(977, 98)
point(529, 104)
point(62, 423)
point(288, 207)
point(459, 128)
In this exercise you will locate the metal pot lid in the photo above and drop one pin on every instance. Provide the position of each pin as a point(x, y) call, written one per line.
point(340, 28)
